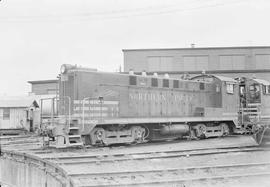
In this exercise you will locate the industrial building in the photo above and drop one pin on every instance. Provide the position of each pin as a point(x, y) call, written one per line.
point(227, 61)
point(44, 87)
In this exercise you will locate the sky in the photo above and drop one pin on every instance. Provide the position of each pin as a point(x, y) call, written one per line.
point(37, 36)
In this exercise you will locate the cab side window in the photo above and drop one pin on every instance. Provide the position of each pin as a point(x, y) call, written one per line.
point(217, 88)
point(230, 88)
point(254, 92)
point(266, 89)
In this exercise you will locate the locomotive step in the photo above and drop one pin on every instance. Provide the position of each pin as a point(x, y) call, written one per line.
point(76, 144)
point(74, 136)
point(73, 128)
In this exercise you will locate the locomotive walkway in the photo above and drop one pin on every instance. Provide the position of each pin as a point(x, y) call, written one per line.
point(212, 162)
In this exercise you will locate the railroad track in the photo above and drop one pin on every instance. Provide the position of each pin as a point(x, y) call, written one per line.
point(150, 168)
point(164, 164)
point(102, 158)
point(155, 171)
point(183, 176)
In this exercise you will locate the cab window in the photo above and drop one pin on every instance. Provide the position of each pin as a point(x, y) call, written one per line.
point(266, 89)
point(254, 88)
point(254, 92)
point(230, 88)
point(217, 88)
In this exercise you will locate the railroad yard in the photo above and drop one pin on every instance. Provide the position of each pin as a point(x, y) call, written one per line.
point(229, 161)
point(145, 93)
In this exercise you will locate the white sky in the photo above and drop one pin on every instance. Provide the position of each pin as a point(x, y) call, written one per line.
point(37, 36)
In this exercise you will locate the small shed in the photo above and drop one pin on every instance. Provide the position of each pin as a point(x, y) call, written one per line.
point(18, 113)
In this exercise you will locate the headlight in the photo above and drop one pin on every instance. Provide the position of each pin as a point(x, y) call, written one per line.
point(63, 69)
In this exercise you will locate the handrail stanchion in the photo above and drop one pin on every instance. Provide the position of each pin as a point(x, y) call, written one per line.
point(84, 99)
point(69, 110)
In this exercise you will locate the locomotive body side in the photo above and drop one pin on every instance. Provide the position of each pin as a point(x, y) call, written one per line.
point(111, 103)
point(110, 108)
point(179, 98)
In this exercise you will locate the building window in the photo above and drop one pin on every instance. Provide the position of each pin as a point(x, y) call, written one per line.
point(6, 114)
point(175, 83)
point(154, 82)
point(51, 91)
point(262, 61)
point(230, 88)
point(132, 80)
point(232, 62)
point(195, 63)
point(160, 63)
point(165, 83)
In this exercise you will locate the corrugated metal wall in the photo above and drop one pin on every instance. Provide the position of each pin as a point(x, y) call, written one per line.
point(192, 59)
point(45, 88)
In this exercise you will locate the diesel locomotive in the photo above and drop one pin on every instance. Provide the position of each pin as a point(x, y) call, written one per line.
point(100, 108)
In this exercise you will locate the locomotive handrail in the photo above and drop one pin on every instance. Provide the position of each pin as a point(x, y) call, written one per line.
point(83, 113)
point(69, 110)
point(251, 109)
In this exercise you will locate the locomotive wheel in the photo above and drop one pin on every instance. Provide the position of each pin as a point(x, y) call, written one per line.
point(97, 136)
point(200, 130)
point(138, 133)
point(225, 129)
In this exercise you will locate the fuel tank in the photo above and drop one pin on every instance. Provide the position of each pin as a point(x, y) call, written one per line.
point(175, 129)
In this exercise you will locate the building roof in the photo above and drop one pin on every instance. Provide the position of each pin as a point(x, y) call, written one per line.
point(43, 81)
point(18, 103)
point(199, 48)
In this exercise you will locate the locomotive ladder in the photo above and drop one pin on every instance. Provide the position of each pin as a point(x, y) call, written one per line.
point(261, 131)
point(74, 136)
point(252, 111)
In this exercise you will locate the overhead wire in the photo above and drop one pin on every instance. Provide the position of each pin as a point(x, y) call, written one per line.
point(124, 13)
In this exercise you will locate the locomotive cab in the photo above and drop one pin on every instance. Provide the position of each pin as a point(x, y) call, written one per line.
point(255, 108)
point(254, 101)
point(254, 92)
point(250, 91)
